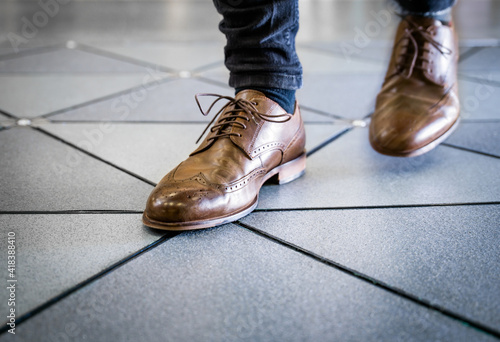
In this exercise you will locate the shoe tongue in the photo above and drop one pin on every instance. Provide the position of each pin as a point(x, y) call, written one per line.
point(249, 95)
point(424, 22)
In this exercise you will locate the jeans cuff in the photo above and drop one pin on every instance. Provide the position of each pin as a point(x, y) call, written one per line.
point(405, 11)
point(292, 82)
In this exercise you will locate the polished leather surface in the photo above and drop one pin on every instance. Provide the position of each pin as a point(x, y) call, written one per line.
point(252, 139)
point(418, 105)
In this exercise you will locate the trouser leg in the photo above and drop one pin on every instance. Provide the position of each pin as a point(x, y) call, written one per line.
point(260, 49)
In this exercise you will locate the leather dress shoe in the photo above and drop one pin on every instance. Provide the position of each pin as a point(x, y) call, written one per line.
point(254, 140)
point(417, 107)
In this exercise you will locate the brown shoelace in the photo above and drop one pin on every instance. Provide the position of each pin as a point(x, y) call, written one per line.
point(416, 54)
point(243, 109)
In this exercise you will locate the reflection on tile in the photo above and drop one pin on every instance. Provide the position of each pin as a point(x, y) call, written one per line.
point(228, 284)
point(482, 137)
point(116, 21)
point(176, 55)
point(40, 173)
point(34, 95)
point(170, 101)
point(61, 251)
point(151, 150)
point(349, 173)
point(453, 264)
point(66, 61)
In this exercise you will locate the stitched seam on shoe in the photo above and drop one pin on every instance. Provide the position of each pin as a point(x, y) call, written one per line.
point(242, 182)
point(276, 145)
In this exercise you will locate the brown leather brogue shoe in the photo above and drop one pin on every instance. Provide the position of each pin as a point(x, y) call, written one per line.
point(253, 140)
point(418, 105)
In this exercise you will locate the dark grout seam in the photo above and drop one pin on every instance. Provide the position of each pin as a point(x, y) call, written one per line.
point(90, 280)
point(211, 81)
point(107, 97)
point(328, 141)
point(374, 282)
point(31, 52)
point(207, 67)
point(160, 122)
point(135, 212)
point(396, 206)
point(466, 77)
point(121, 58)
point(323, 113)
point(95, 156)
point(471, 150)
point(67, 212)
point(10, 116)
point(469, 53)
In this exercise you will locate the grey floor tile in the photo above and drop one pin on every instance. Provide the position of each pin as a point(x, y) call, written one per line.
point(40, 173)
point(482, 137)
point(169, 101)
point(228, 284)
point(445, 255)
point(182, 56)
point(379, 52)
point(151, 150)
point(347, 95)
point(484, 64)
point(478, 100)
point(34, 94)
point(466, 13)
point(319, 62)
point(314, 63)
point(376, 51)
point(6, 121)
point(66, 61)
point(348, 172)
point(56, 252)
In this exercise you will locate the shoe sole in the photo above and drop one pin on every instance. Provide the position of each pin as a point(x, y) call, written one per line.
point(420, 151)
point(282, 174)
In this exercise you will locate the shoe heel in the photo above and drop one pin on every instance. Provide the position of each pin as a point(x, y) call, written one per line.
point(292, 170)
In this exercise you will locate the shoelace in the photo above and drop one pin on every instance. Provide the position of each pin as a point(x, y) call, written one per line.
point(409, 36)
point(241, 107)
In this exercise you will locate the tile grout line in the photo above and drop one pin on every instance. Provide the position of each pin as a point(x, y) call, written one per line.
point(325, 114)
point(124, 211)
point(69, 212)
point(482, 81)
point(119, 57)
point(180, 122)
point(374, 282)
point(89, 280)
point(401, 206)
point(469, 53)
point(328, 141)
point(130, 173)
point(106, 97)
point(31, 52)
point(470, 150)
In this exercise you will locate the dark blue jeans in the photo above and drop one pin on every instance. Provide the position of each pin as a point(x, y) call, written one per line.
point(260, 49)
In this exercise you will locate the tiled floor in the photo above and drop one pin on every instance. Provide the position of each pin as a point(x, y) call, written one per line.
point(97, 105)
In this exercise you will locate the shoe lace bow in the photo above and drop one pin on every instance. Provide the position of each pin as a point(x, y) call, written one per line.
point(242, 109)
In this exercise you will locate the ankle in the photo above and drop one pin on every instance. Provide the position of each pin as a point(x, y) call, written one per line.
point(284, 97)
